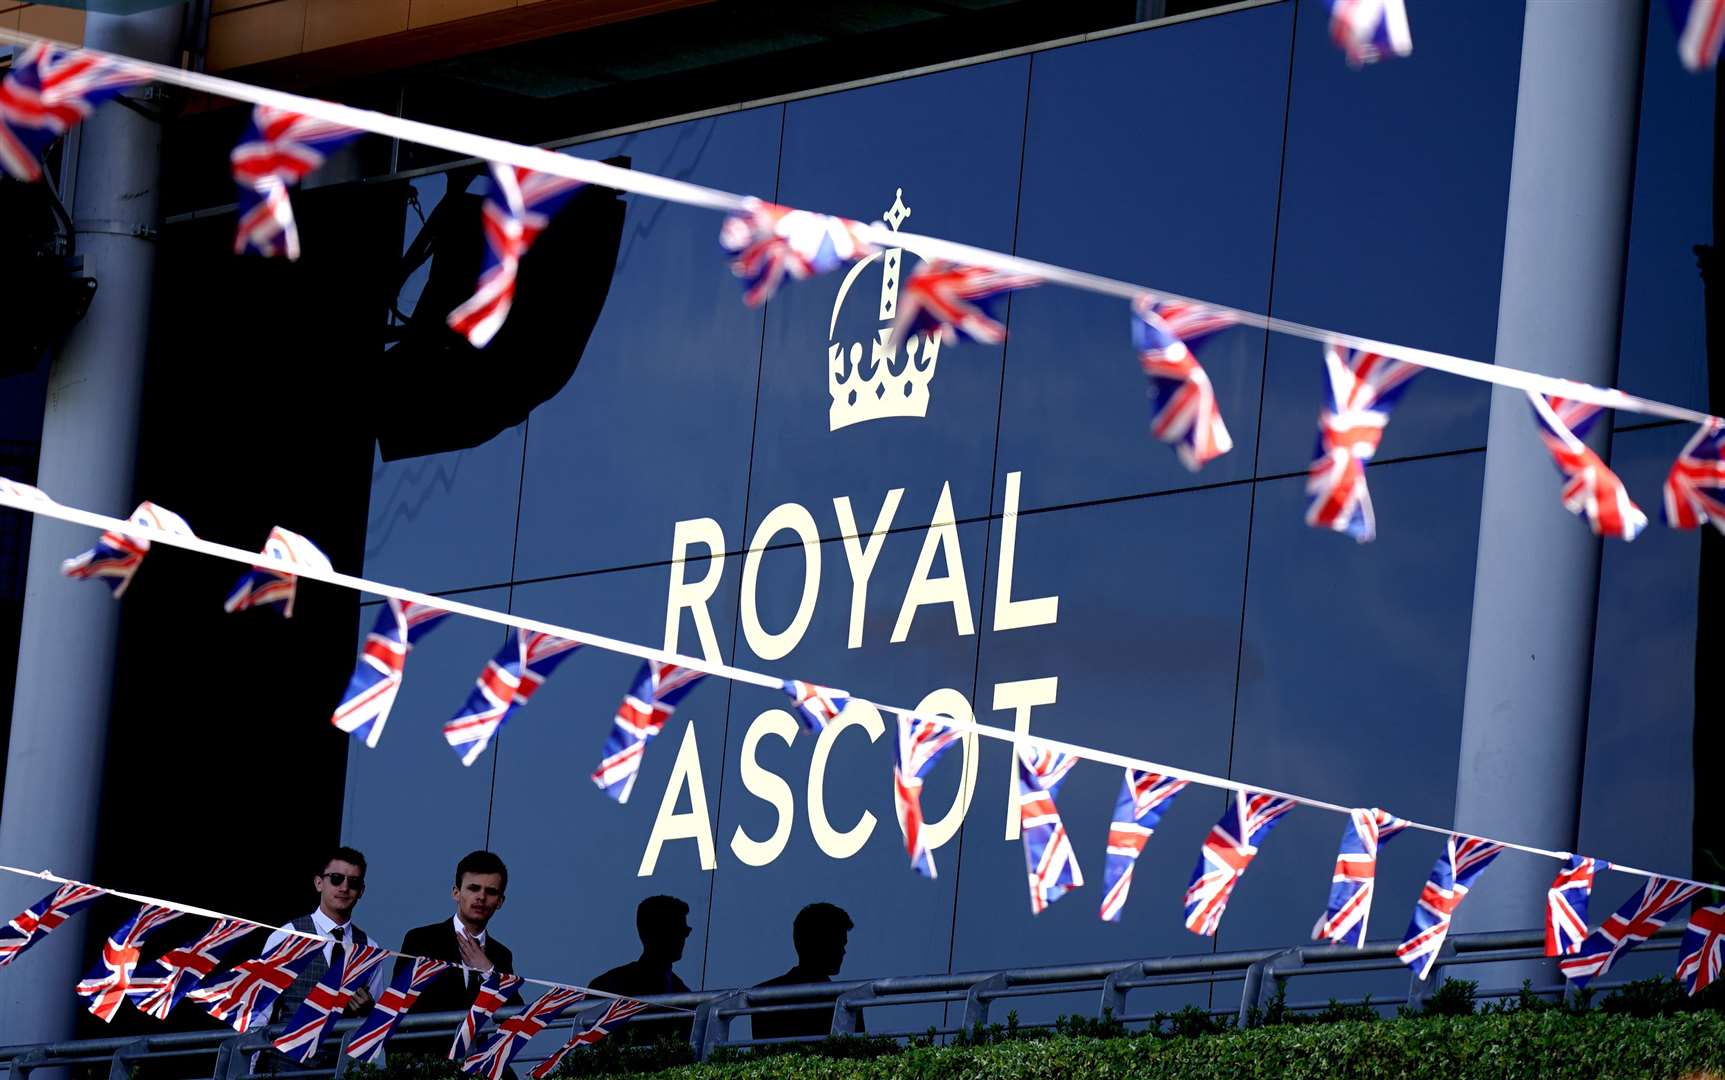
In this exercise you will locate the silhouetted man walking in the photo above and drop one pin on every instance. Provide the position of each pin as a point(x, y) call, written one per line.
point(820, 934)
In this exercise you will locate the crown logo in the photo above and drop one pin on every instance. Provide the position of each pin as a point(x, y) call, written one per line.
point(885, 386)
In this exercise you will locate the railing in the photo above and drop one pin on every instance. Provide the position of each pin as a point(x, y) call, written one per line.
point(1260, 973)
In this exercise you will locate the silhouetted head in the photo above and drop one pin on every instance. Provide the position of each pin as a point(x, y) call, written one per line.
point(820, 935)
point(663, 923)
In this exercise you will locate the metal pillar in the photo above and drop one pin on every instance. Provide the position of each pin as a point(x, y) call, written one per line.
point(89, 445)
point(1536, 586)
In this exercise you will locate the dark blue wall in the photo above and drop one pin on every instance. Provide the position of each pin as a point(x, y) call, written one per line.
point(1199, 622)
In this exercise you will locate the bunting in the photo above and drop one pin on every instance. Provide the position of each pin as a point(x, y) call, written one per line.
point(1566, 906)
point(1360, 391)
point(492, 1059)
point(367, 1041)
point(1355, 879)
point(508, 681)
point(495, 991)
point(519, 204)
point(377, 676)
point(616, 1013)
point(1700, 29)
point(44, 917)
point(1144, 798)
point(265, 585)
point(1232, 844)
point(816, 706)
point(955, 303)
point(1640, 917)
point(243, 997)
point(109, 984)
point(646, 708)
point(1464, 858)
point(159, 985)
point(1048, 855)
point(1699, 955)
point(1591, 490)
point(770, 243)
point(48, 90)
point(1183, 410)
point(1692, 487)
point(277, 151)
point(920, 745)
point(116, 556)
point(1369, 30)
point(325, 1001)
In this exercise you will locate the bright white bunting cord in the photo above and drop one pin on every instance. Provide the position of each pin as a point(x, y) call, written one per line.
point(679, 191)
point(47, 507)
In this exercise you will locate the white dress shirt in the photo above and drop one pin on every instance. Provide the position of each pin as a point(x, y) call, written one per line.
point(329, 927)
point(471, 978)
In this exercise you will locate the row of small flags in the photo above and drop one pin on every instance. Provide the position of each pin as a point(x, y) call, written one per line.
point(244, 996)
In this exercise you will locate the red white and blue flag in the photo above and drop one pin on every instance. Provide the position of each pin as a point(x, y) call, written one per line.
point(519, 204)
point(509, 680)
point(1355, 879)
point(1703, 949)
point(1360, 391)
point(1464, 858)
point(492, 1058)
point(1700, 29)
point(277, 151)
point(1048, 856)
point(1591, 490)
point(1144, 798)
point(1183, 410)
point(1369, 30)
point(44, 917)
point(1693, 486)
point(816, 706)
point(366, 1043)
point(954, 303)
point(649, 704)
point(1640, 917)
point(326, 1001)
point(116, 556)
point(770, 243)
point(108, 985)
point(495, 991)
point(275, 583)
point(1566, 906)
point(49, 89)
point(377, 676)
point(615, 1013)
point(160, 984)
point(1227, 851)
point(242, 998)
point(920, 745)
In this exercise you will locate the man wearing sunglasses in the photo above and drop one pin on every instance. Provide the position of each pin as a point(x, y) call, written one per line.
point(339, 884)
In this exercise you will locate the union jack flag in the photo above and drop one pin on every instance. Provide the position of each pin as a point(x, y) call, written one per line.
point(771, 243)
point(954, 303)
point(325, 1001)
point(263, 586)
point(109, 983)
point(495, 991)
point(1640, 917)
point(1369, 30)
point(366, 1043)
point(1696, 478)
point(519, 204)
point(277, 151)
point(1048, 855)
point(243, 997)
point(1144, 798)
point(49, 89)
point(1183, 409)
point(116, 556)
point(920, 745)
point(1566, 906)
point(1354, 881)
point(817, 706)
point(377, 676)
point(1699, 956)
point(500, 1047)
point(1464, 858)
point(159, 985)
point(1591, 489)
point(1226, 853)
point(655, 695)
point(1360, 391)
point(44, 917)
point(618, 1011)
point(1700, 29)
point(510, 678)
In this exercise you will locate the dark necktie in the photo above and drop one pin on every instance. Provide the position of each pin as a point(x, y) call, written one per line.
point(338, 953)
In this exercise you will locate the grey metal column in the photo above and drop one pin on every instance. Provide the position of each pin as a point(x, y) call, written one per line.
point(1536, 587)
point(89, 446)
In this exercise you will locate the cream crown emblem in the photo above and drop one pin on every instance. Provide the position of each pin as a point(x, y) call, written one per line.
point(884, 387)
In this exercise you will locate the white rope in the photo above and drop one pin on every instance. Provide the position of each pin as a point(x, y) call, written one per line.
point(468, 144)
point(47, 507)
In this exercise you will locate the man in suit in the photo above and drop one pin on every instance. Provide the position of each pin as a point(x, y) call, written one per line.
point(481, 880)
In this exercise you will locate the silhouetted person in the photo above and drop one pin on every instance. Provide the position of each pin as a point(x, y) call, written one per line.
point(663, 925)
point(820, 934)
point(481, 880)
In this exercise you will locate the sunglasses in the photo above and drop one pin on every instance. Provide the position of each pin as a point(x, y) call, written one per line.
point(338, 879)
